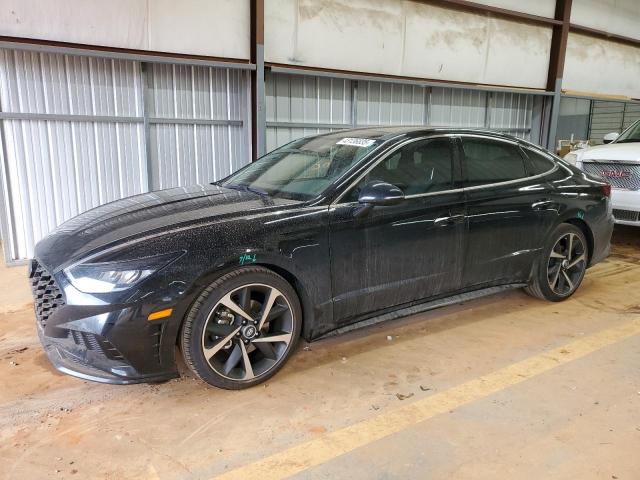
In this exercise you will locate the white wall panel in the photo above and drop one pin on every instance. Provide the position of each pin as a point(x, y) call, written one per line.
point(621, 17)
point(116, 23)
point(358, 35)
point(201, 27)
point(407, 38)
point(603, 67)
point(544, 8)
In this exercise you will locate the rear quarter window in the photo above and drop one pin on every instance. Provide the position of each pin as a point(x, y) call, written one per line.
point(538, 162)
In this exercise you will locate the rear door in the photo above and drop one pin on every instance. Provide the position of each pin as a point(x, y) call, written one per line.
point(509, 210)
point(401, 253)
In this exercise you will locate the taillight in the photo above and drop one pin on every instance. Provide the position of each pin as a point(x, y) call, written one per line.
point(606, 189)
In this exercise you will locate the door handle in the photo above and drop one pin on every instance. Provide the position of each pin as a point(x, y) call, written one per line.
point(443, 221)
point(542, 204)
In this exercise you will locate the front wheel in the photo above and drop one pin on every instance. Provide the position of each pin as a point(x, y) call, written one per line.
point(242, 328)
point(562, 265)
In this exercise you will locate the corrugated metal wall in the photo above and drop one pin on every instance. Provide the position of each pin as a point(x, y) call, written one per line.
point(305, 105)
point(79, 132)
point(382, 103)
point(198, 119)
point(512, 113)
point(454, 107)
point(299, 106)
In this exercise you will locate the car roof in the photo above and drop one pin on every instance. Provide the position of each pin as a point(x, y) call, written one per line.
point(388, 133)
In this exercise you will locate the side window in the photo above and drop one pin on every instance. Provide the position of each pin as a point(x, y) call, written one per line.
point(424, 166)
point(538, 162)
point(491, 161)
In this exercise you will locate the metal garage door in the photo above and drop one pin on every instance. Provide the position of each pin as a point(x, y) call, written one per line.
point(631, 114)
point(299, 105)
point(78, 132)
point(607, 117)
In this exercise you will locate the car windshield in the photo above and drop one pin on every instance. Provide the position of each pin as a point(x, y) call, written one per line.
point(304, 168)
point(632, 134)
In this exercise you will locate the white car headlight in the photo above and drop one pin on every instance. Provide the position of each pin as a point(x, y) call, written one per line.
point(106, 277)
point(572, 158)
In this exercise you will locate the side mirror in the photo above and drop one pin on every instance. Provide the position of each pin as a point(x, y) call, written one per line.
point(378, 194)
point(610, 137)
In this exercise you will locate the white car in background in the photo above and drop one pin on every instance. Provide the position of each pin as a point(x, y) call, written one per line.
point(618, 162)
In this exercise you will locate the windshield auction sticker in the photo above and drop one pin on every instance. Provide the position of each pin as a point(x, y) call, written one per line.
point(356, 142)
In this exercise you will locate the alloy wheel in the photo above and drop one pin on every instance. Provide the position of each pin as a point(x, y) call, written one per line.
point(248, 332)
point(567, 264)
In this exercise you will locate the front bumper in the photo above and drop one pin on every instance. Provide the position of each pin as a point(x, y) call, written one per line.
point(626, 206)
point(67, 357)
point(94, 339)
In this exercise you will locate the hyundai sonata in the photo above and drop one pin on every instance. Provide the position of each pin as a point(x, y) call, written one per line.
point(323, 234)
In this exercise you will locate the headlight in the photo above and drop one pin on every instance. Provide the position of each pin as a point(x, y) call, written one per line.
point(572, 158)
point(105, 277)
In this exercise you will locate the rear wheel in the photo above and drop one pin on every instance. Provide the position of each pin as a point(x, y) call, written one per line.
point(562, 265)
point(242, 328)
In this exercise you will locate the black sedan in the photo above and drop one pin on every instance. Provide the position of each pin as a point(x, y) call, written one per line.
point(323, 234)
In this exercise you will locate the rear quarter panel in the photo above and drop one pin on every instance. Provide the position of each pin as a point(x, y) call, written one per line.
point(581, 201)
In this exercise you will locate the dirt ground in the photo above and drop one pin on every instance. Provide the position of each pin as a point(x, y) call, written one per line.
point(577, 419)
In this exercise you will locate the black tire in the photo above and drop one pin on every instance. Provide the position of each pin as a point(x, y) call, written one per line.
point(208, 306)
point(543, 275)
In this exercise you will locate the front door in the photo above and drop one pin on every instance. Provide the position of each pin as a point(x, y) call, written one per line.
point(403, 253)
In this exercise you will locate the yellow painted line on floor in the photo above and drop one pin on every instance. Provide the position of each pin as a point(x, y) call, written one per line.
point(331, 445)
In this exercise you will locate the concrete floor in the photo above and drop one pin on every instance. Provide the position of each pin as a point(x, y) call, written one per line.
point(502, 387)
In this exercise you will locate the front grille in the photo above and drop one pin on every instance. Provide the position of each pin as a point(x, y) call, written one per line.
point(46, 294)
point(94, 342)
point(627, 215)
point(619, 175)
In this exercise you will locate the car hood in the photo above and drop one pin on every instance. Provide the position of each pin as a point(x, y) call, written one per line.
point(144, 215)
point(625, 152)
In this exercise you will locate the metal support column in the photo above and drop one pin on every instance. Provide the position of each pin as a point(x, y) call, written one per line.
point(556, 65)
point(487, 110)
point(258, 102)
point(354, 104)
point(146, 108)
